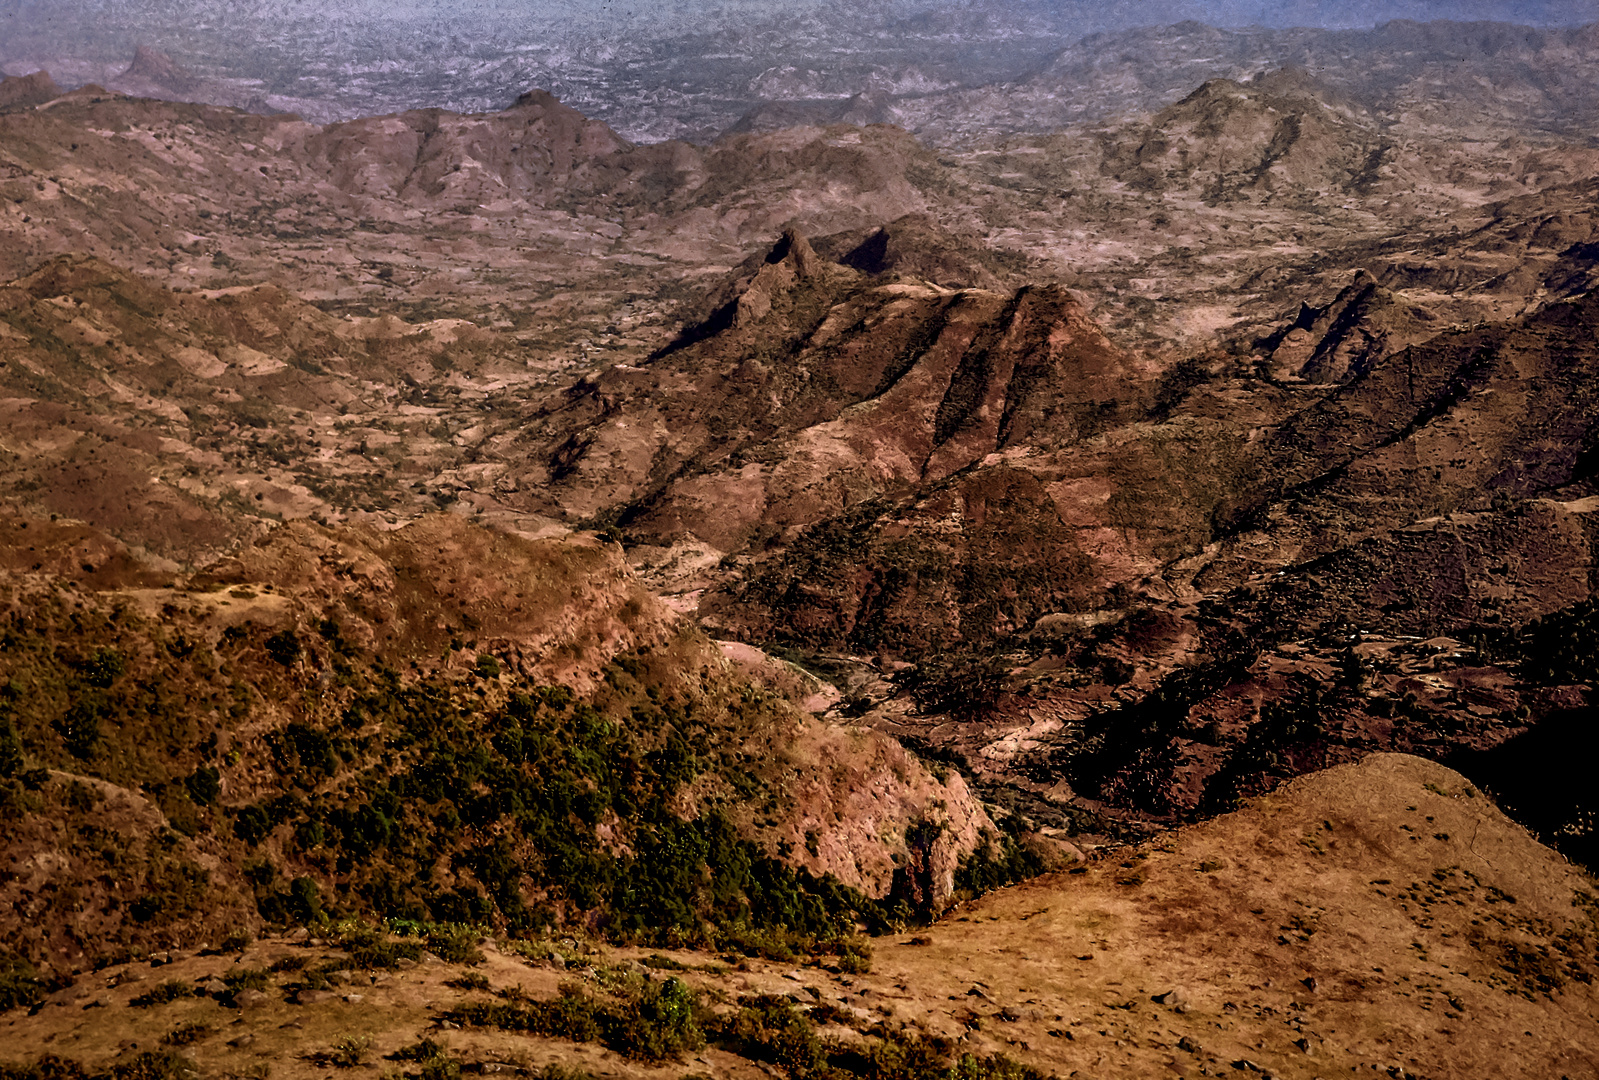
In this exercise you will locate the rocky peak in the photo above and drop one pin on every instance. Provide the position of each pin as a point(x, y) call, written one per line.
point(752, 291)
point(159, 68)
point(917, 246)
point(25, 91)
point(536, 99)
point(1335, 343)
point(790, 261)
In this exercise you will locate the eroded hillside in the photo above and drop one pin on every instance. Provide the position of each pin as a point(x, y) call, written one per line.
point(1377, 917)
point(441, 723)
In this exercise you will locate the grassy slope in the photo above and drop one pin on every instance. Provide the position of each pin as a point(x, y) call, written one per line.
point(1381, 918)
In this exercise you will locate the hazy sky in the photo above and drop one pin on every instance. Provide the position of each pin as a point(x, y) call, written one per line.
point(1103, 12)
point(1124, 12)
point(195, 29)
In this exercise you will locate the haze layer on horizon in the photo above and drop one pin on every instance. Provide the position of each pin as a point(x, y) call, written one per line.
point(644, 16)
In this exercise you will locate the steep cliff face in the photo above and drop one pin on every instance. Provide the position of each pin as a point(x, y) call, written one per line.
point(813, 388)
point(438, 722)
point(1338, 342)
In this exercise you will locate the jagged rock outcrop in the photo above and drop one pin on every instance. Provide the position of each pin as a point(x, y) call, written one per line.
point(916, 246)
point(157, 69)
point(1336, 343)
point(813, 389)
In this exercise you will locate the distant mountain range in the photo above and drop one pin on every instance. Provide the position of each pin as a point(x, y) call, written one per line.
point(943, 73)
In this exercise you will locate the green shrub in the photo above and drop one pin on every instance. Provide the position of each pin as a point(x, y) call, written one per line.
point(305, 901)
point(80, 729)
point(155, 1065)
point(372, 948)
point(103, 668)
point(652, 1022)
point(995, 865)
point(48, 1067)
point(204, 784)
point(163, 993)
point(173, 888)
point(457, 948)
point(251, 824)
point(20, 985)
point(771, 1030)
point(419, 1051)
point(11, 760)
point(435, 1059)
point(247, 979)
point(284, 647)
point(558, 1071)
point(187, 1035)
point(349, 1051)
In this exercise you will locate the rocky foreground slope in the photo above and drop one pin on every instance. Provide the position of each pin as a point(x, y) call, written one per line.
point(1381, 918)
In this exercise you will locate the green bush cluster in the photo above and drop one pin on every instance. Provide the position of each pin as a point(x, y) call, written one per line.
point(163, 993)
point(187, 1035)
point(771, 1030)
point(18, 782)
point(150, 1065)
point(372, 949)
point(104, 692)
point(435, 1059)
point(469, 800)
point(660, 1021)
point(173, 888)
point(650, 1021)
point(241, 979)
point(1563, 647)
point(512, 794)
point(1000, 861)
point(20, 984)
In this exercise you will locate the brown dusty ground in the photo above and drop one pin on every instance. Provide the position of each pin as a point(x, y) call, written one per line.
point(1382, 918)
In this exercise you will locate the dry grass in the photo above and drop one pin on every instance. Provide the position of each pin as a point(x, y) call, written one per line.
point(1390, 950)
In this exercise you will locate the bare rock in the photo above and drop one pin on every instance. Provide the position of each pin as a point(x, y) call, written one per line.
point(1174, 999)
